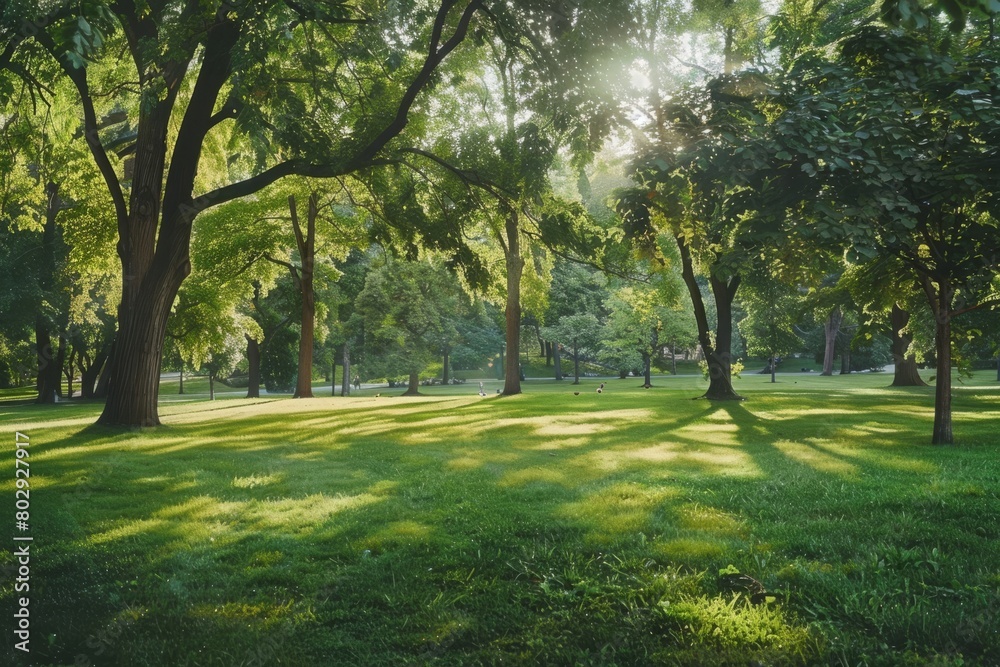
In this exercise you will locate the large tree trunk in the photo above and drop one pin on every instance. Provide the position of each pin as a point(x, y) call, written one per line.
point(445, 375)
point(512, 315)
point(307, 254)
point(211, 385)
point(905, 373)
point(673, 357)
point(557, 361)
point(941, 298)
point(180, 377)
point(647, 357)
point(720, 383)
point(253, 368)
point(303, 384)
point(153, 267)
point(942, 386)
point(773, 370)
point(717, 354)
point(548, 353)
point(413, 389)
point(830, 329)
point(134, 380)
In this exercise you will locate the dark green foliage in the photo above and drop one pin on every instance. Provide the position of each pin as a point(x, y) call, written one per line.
point(481, 338)
point(409, 311)
point(279, 361)
point(576, 290)
point(870, 355)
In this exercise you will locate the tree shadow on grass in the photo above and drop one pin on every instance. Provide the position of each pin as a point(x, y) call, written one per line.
point(284, 527)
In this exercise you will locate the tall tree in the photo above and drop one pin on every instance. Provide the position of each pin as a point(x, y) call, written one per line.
point(693, 188)
point(198, 65)
point(907, 167)
point(581, 332)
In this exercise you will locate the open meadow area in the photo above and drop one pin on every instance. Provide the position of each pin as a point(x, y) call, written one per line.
point(541, 529)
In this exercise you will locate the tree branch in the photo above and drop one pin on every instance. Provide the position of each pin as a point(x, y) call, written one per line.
point(230, 110)
point(267, 177)
point(292, 269)
point(216, 67)
point(469, 177)
point(366, 156)
point(434, 58)
point(91, 128)
point(988, 303)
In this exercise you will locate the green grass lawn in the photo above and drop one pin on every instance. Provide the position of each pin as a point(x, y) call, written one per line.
point(543, 529)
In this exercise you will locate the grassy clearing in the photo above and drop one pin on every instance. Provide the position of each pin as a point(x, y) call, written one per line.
point(546, 528)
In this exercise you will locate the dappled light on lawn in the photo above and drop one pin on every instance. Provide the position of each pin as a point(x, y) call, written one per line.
point(816, 458)
point(497, 523)
point(616, 510)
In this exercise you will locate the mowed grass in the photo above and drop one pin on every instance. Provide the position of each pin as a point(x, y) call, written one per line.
point(543, 529)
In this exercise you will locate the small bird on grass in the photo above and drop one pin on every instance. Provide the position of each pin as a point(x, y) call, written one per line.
point(600, 390)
